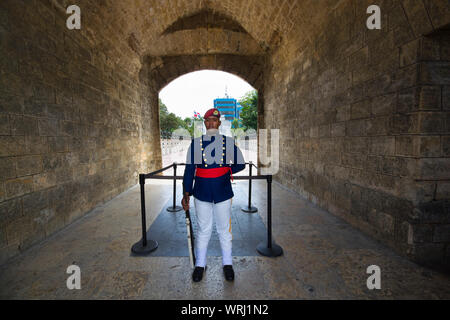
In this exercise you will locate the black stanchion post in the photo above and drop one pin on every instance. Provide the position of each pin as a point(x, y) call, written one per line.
point(143, 246)
point(174, 208)
point(249, 208)
point(269, 249)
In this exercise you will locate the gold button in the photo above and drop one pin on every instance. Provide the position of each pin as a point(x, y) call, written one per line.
point(203, 149)
point(206, 165)
point(220, 165)
point(223, 154)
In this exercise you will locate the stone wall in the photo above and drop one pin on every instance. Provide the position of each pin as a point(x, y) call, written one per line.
point(363, 114)
point(364, 121)
point(76, 128)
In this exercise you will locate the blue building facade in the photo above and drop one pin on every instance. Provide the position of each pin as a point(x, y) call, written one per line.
point(229, 108)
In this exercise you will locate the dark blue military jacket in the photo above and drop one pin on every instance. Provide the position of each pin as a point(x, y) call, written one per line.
point(212, 151)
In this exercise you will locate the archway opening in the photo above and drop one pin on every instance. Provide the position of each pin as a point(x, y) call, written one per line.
point(184, 101)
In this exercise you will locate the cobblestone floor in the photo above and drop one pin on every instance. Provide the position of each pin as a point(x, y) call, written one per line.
point(324, 258)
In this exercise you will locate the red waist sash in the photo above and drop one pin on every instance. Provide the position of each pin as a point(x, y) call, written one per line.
point(213, 172)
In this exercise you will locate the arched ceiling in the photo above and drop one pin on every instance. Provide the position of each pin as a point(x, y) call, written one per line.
point(162, 70)
point(135, 29)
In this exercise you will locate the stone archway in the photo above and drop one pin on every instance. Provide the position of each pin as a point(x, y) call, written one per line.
point(363, 114)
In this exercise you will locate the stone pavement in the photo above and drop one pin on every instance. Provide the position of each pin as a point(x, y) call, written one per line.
point(324, 258)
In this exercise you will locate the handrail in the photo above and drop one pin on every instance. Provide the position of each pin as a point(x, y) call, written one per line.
point(158, 171)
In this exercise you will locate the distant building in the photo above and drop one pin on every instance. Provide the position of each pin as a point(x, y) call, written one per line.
point(226, 107)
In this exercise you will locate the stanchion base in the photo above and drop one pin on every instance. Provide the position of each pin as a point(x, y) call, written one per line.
point(249, 209)
point(274, 251)
point(138, 248)
point(174, 209)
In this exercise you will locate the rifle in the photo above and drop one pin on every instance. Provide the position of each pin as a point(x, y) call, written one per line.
point(190, 237)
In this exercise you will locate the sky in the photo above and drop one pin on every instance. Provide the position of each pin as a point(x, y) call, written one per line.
point(196, 91)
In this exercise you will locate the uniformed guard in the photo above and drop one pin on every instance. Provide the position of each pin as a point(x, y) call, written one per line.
point(211, 160)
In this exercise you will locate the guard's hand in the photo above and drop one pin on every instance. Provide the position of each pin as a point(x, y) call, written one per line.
point(185, 202)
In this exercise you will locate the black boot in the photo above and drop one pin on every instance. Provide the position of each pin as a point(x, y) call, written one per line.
point(229, 272)
point(197, 275)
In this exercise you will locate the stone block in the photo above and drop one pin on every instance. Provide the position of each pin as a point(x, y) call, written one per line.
point(431, 122)
point(356, 145)
point(408, 100)
point(382, 145)
point(403, 34)
point(35, 201)
point(435, 73)
point(383, 105)
point(445, 146)
point(23, 125)
point(48, 127)
point(409, 53)
point(10, 210)
point(18, 187)
point(44, 180)
point(397, 16)
point(446, 98)
point(378, 126)
point(343, 113)
point(36, 145)
point(405, 123)
point(35, 108)
point(373, 163)
point(428, 253)
point(12, 146)
point(444, 48)
point(11, 104)
point(434, 168)
point(420, 233)
point(360, 110)
point(57, 144)
point(397, 207)
point(446, 121)
point(353, 160)
point(442, 233)
point(396, 166)
point(435, 211)
point(381, 85)
point(386, 223)
point(56, 111)
point(338, 129)
point(7, 168)
point(430, 98)
point(429, 49)
point(438, 12)
point(407, 145)
point(404, 78)
point(67, 128)
point(356, 128)
point(28, 165)
point(442, 190)
point(5, 129)
point(417, 17)
point(430, 146)
point(52, 161)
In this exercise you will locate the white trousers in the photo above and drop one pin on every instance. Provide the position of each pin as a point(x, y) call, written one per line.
point(222, 215)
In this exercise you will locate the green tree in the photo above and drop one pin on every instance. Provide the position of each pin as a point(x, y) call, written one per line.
point(169, 122)
point(249, 112)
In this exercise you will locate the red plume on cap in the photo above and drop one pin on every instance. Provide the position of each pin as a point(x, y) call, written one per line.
point(212, 113)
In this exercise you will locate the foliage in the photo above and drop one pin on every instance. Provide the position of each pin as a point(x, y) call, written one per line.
point(169, 122)
point(249, 112)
